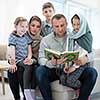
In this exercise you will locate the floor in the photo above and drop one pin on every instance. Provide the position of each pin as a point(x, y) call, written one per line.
point(9, 96)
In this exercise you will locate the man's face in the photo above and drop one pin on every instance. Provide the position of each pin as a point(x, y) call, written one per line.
point(48, 13)
point(59, 26)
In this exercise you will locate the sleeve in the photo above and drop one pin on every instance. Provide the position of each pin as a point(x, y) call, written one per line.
point(42, 60)
point(12, 40)
point(91, 56)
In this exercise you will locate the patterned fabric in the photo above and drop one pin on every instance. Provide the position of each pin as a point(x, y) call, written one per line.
point(36, 44)
point(46, 28)
point(21, 44)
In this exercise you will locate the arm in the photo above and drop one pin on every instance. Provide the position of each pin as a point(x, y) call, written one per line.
point(42, 60)
point(29, 52)
point(13, 66)
point(28, 60)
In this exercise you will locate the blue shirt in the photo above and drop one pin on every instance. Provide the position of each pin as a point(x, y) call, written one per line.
point(46, 28)
point(21, 45)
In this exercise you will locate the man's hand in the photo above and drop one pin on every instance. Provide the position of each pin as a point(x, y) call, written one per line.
point(57, 61)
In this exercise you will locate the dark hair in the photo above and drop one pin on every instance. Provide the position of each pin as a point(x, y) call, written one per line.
point(35, 18)
point(47, 5)
point(19, 19)
point(76, 17)
point(58, 16)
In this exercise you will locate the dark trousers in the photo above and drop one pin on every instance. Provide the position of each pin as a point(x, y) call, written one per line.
point(14, 84)
point(23, 77)
point(88, 80)
point(45, 76)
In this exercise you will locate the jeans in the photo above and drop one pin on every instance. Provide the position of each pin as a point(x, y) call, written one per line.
point(88, 80)
point(46, 75)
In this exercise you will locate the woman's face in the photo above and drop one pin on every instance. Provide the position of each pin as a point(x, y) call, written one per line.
point(76, 24)
point(34, 27)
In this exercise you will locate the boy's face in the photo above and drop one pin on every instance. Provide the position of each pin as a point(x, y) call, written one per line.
point(48, 13)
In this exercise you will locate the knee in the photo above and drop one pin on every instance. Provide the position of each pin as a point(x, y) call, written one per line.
point(41, 73)
point(92, 73)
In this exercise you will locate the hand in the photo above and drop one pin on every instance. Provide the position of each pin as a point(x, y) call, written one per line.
point(81, 61)
point(13, 68)
point(57, 61)
point(68, 69)
point(28, 61)
point(53, 61)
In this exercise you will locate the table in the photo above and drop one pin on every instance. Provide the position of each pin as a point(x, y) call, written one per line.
point(3, 67)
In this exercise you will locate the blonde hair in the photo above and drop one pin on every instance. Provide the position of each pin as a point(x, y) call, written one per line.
point(19, 19)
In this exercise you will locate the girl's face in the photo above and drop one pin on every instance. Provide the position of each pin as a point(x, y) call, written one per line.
point(76, 24)
point(34, 27)
point(22, 27)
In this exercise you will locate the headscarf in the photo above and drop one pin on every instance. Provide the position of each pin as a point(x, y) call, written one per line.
point(83, 36)
point(36, 43)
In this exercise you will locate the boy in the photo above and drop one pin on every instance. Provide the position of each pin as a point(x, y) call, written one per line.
point(48, 11)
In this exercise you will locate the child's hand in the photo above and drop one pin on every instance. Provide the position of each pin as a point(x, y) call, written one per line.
point(13, 68)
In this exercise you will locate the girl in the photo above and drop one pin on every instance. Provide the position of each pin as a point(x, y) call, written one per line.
point(20, 61)
point(81, 37)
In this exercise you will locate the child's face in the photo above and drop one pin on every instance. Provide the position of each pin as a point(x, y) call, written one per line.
point(35, 27)
point(22, 27)
point(76, 24)
point(48, 13)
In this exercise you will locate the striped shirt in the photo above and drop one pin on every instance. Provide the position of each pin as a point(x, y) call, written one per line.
point(21, 45)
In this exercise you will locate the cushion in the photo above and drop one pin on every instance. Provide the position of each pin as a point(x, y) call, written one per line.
point(3, 52)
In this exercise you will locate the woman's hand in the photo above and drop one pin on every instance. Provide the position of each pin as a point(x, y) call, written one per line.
point(28, 61)
point(68, 69)
point(81, 61)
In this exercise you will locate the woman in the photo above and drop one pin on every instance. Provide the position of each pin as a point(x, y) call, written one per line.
point(81, 37)
point(34, 34)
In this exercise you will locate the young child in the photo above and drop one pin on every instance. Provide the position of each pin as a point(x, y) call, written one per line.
point(21, 54)
point(48, 11)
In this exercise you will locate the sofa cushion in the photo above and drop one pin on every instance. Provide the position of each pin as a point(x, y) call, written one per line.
point(3, 52)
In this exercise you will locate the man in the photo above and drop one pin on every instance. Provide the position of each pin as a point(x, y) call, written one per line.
point(46, 73)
